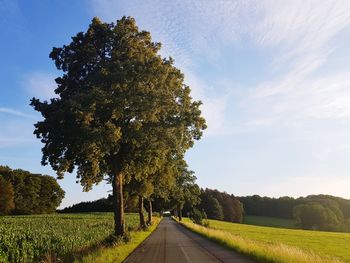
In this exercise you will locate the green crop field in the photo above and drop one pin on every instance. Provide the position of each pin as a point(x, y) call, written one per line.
point(34, 238)
point(269, 244)
point(269, 221)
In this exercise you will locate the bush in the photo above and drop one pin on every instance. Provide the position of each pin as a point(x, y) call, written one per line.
point(199, 217)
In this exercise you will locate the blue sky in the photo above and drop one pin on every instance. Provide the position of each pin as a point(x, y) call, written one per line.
point(274, 78)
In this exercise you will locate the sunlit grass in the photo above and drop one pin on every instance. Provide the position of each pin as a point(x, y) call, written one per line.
point(268, 244)
point(269, 221)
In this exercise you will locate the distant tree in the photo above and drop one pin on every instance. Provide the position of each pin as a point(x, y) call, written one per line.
point(33, 193)
point(185, 189)
point(100, 205)
point(272, 207)
point(120, 109)
point(238, 210)
point(315, 216)
point(211, 206)
point(50, 195)
point(231, 206)
point(163, 183)
point(6, 197)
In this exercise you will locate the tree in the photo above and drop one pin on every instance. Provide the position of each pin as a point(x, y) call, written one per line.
point(163, 183)
point(211, 206)
point(50, 195)
point(185, 189)
point(315, 216)
point(33, 193)
point(120, 110)
point(231, 206)
point(141, 190)
point(6, 196)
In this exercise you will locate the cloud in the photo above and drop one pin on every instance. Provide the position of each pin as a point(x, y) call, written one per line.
point(15, 132)
point(15, 112)
point(40, 85)
point(299, 33)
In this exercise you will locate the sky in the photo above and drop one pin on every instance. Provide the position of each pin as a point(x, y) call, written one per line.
point(273, 76)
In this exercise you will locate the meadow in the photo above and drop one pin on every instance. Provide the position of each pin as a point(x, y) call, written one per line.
point(56, 237)
point(269, 221)
point(269, 244)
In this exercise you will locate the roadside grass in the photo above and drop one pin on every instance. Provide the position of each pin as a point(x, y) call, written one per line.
point(269, 221)
point(119, 251)
point(268, 244)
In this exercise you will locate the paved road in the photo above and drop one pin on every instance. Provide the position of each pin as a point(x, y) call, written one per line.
point(172, 243)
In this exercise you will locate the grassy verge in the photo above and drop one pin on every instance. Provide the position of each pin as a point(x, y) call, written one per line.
point(262, 251)
point(120, 251)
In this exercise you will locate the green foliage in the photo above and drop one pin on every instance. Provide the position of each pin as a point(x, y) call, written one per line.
point(211, 206)
point(197, 216)
point(185, 190)
point(119, 104)
point(232, 208)
point(271, 207)
point(30, 238)
point(122, 110)
point(6, 196)
point(283, 207)
point(33, 193)
point(315, 216)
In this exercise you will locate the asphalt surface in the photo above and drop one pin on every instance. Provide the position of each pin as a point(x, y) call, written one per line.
point(172, 243)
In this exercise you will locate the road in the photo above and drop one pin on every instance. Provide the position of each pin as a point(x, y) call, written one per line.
point(172, 243)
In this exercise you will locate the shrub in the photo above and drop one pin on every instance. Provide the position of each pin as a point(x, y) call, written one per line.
point(199, 217)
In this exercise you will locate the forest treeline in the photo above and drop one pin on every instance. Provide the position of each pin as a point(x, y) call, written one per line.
point(318, 212)
point(23, 193)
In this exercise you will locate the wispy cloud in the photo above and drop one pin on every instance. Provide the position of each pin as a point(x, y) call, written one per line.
point(300, 32)
point(40, 85)
point(15, 132)
point(15, 113)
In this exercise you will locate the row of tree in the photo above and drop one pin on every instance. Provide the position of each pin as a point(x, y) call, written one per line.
point(22, 192)
point(215, 204)
point(122, 114)
point(322, 212)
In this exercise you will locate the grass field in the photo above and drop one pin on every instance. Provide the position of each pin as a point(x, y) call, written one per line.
point(269, 221)
point(58, 237)
point(268, 244)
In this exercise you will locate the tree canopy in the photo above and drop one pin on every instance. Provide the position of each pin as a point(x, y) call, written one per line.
point(33, 193)
point(121, 109)
point(7, 196)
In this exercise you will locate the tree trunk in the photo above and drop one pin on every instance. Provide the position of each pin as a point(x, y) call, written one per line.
point(180, 212)
point(150, 212)
point(142, 217)
point(119, 223)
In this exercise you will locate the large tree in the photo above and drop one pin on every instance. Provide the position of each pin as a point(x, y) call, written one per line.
point(120, 109)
